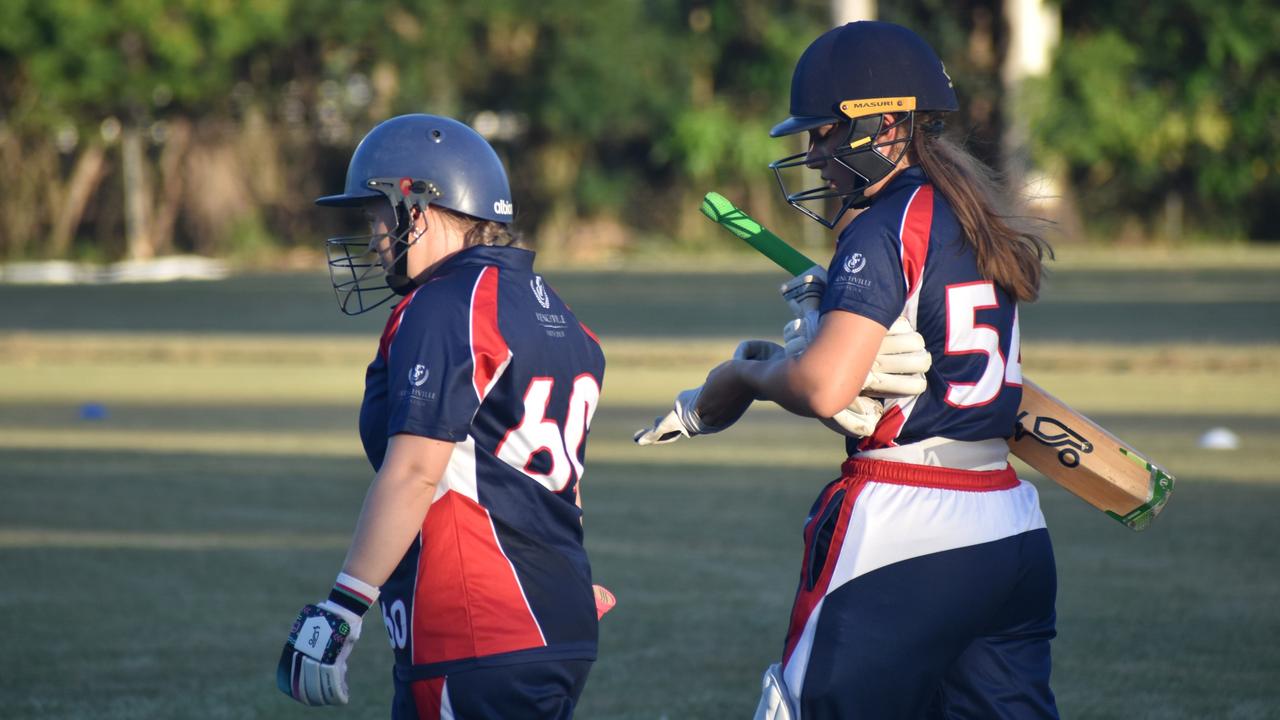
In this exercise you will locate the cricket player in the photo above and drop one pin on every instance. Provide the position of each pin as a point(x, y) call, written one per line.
point(927, 583)
point(475, 417)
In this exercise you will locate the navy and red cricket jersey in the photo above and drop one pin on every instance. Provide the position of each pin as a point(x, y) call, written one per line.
point(926, 590)
point(487, 356)
point(906, 254)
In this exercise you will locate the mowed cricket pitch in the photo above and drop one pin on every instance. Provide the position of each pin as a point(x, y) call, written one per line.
point(180, 472)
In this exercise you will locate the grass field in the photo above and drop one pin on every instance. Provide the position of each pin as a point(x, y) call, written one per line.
point(153, 558)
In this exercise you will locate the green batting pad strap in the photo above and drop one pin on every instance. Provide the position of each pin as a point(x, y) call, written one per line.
point(718, 208)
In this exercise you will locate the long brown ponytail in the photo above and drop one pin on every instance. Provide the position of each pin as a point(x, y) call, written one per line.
point(1008, 253)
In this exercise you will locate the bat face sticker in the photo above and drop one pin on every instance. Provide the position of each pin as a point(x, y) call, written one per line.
point(1052, 432)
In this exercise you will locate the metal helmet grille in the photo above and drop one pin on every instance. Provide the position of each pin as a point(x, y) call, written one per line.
point(359, 280)
point(867, 160)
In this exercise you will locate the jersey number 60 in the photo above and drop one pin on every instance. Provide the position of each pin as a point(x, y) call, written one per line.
point(538, 433)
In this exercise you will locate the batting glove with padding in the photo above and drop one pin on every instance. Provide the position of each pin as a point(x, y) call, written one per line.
point(901, 362)
point(684, 421)
point(313, 665)
point(776, 702)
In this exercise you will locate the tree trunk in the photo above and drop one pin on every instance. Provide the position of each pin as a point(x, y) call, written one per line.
point(172, 182)
point(1034, 29)
point(847, 11)
point(85, 178)
point(137, 196)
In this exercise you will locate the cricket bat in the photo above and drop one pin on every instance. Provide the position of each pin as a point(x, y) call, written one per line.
point(1055, 440)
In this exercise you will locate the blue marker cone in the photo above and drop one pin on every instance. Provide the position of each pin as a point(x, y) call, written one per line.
point(93, 411)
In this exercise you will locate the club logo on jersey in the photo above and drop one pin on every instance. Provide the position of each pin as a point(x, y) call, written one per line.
point(854, 263)
point(540, 291)
point(418, 375)
point(502, 207)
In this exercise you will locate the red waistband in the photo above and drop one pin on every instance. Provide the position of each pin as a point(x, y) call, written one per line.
point(897, 473)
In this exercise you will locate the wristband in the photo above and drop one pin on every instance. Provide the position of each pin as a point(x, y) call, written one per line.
point(351, 593)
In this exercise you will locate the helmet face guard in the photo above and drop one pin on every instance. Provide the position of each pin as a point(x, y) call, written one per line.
point(859, 154)
point(360, 280)
point(413, 161)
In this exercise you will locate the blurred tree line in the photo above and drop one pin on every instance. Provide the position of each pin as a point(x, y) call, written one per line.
point(144, 127)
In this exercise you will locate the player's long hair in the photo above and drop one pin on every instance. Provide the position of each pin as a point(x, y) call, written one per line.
point(476, 231)
point(1008, 250)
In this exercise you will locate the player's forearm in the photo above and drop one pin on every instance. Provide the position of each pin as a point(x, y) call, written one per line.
point(395, 506)
point(821, 382)
point(779, 381)
point(830, 373)
point(390, 519)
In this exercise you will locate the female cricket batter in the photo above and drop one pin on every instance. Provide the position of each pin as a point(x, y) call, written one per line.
point(927, 584)
point(475, 419)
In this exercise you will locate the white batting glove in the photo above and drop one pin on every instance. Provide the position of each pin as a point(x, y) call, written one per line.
point(858, 420)
point(776, 702)
point(758, 350)
point(313, 665)
point(900, 365)
point(683, 420)
point(803, 294)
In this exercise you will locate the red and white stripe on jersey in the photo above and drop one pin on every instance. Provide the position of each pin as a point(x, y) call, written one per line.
point(466, 592)
point(393, 325)
point(913, 236)
point(489, 352)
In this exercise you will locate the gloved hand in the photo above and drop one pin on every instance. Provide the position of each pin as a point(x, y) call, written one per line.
point(684, 421)
point(899, 368)
point(900, 364)
point(313, 666)
point(858, 420)
point(803, 294)
point(776, 702)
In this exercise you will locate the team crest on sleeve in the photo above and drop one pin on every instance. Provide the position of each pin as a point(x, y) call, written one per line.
point(848, 271)
point(540, 291)
point(418, 375)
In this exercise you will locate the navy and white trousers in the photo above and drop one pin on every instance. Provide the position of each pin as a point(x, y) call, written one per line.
point(925, 592)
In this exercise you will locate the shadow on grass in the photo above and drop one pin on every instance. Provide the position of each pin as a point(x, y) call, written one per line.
point(703, 560)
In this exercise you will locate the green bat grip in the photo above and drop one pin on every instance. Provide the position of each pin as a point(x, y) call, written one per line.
point(719, 209)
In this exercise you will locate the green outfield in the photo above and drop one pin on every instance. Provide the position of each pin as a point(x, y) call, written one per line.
point(153, 558)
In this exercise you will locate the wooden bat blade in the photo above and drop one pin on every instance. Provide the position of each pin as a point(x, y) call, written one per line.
point(1060, 443)
point(1075, 452)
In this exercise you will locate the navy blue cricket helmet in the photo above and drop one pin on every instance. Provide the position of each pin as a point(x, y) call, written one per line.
point(412, 161)
point(850, 77)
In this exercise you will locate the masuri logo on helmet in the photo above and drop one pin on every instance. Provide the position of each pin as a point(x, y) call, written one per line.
point(850, 77)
